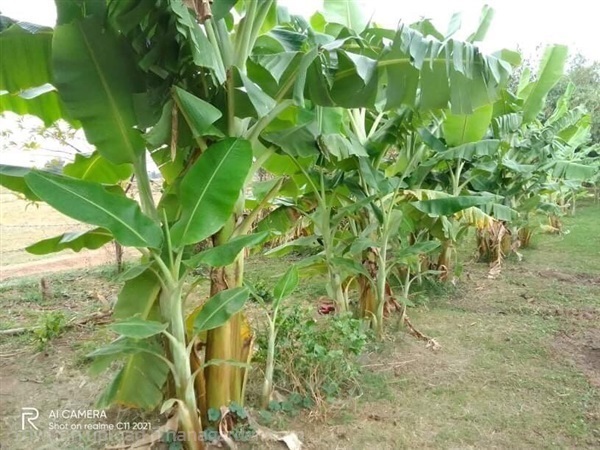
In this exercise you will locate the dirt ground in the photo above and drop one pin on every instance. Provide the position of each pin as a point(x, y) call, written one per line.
point(23, 223)
point(56, 264)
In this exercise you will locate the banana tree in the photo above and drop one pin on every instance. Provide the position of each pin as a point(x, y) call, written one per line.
point(538, 157)
point(116, 89)
point(212, 99)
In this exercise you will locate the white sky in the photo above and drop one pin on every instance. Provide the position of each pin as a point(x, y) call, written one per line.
point(517, 22)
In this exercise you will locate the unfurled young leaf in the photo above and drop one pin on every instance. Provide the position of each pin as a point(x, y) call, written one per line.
point(551, 70)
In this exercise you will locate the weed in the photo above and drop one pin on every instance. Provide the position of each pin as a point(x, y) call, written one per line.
point(317, 359)
point(51, 325)
point(261, 289)
point(294, 403)
point(236, 424)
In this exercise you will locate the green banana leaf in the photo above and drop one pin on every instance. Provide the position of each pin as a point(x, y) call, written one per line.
point(13, 178)
point(90, 203)
point(220, 308)
point(97, 168)
point(97, 79)
point(225, 254)
point(76, 241)
point(449, 205)
point(210, 189)
point(551, 70)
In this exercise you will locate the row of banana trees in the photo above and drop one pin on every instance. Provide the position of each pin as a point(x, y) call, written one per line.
point(383, 147)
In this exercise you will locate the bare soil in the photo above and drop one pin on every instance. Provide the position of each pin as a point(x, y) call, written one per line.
point(83, 260)
point(23, 223)
point(583, 349)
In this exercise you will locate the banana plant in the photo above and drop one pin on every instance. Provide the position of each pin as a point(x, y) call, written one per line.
point(211, 100)
point(97, 62)
point(537, 163)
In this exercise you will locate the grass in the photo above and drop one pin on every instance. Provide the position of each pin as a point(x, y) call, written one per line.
point(518, 368)
point(581, 244)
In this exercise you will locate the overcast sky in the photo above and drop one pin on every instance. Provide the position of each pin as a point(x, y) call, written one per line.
point(517, 22)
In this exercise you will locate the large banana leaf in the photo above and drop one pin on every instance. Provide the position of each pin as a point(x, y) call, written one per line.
point(138, 296)
point(210, 190)
point(280, 220)
point(137, 328)
point(96, 78)
point(140, 381)
point(468, 152)
point(199, 114)
point(41, 101)
point(358, 85)
point(574, 171)
point(139, 384)
point(405, 68)
point(445, 73)
point(346, 12)
point(551, 70)
point(249, 93)
point(25, 73)
point(437, 95)
point(275, 64)
point(25, 63)
point(298, 141)
point(464, 128)
point(220, 308)
point(90, 203)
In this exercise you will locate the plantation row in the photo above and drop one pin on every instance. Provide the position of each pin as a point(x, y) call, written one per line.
point(380, 149)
